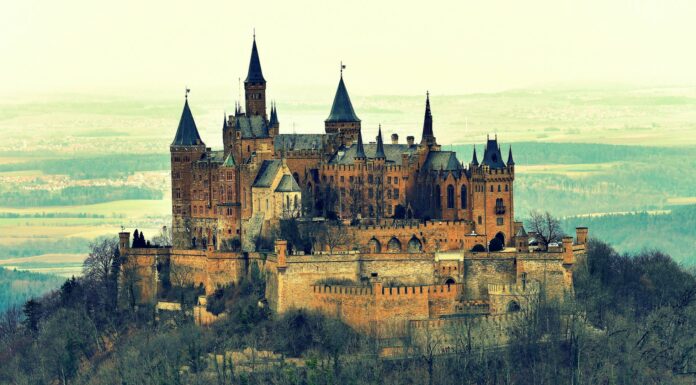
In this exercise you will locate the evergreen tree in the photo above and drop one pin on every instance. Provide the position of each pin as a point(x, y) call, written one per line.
point(136, 238)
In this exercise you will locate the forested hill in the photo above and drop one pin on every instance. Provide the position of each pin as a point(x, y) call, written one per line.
point(18, 286)
point(674, 231)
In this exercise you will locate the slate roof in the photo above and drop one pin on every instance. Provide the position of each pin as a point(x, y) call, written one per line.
point(474, 160)
point(268, 171)
point(229, 162)
point(342, 108)
point(187, 132)
point(441, 160)
point(287, 184)
point(255, 75)
point(492, 156)
point(252, 126)
point(391, 151)
point(213, 157)
point(294, 142)
point(510, 161)
point(379, 152)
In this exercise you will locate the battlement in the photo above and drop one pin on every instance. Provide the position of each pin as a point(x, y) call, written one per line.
point(340, 289)
point(429, 290)
point(416, 226)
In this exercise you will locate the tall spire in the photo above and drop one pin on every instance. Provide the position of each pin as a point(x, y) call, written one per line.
point(428, 137)
point(342, 108)
point(379, 153)
point(255, 75)
point(274, 115)
point(510, 161)
point(187, 132)
point(360, 152)
point(224, 121)
point(475, 161)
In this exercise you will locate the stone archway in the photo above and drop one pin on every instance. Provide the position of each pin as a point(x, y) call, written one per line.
point(478, 248)
point(394, 245)
point(415, 245)
point(374, 245)
point(450, 281)
point(513, 307)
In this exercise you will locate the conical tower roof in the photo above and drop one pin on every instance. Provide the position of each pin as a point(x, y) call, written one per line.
point(342, 108)
point(510, 161)
point(379, 153)
point(360, 152)
point(255, 75)
point(474, 160)
point(187, 132)
point(428, 120)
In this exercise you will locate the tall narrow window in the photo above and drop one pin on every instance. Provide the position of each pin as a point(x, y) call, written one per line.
point(438, 204)
point(463, 197)
point(450, 197)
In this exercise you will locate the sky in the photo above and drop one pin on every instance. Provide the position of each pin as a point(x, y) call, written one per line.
point(389, 47)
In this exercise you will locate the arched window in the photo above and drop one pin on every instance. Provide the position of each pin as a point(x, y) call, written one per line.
point(450, 197)
point(498, 188)
point(287, 204)
point(438, 204)
point(394, 245)
point(297, 204)
point(374, 245)
point(463, 197)
point(415, 245)
point(506, 188)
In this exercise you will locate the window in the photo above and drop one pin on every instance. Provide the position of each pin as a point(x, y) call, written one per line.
point(389, 194)
point(480, 221)
point(388, 180)
point(498, 188)
point(438, 204)
point(450, 197)
point(506, 188)
point(396, 193)
point(491, 188)
point(396, 180)
point(331, 180)
point(369, 179)
point(369, 193)
point(350, 179)
point(499, 221)
point(177, 193)
point(342, 180)
point(463, 197)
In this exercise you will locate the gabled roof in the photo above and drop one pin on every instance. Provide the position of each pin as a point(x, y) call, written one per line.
point(212, 157)
point(521, 232)
point(392, 153)
point(288, 184)
point(251, 126)
point(229, 162)
point(187, 132)
point(294, 142)
point(267, 171)
point(255, 75)
point(441, 160)
point(492, 156)
point(342, 108)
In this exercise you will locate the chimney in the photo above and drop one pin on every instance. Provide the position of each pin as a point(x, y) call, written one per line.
point(581, 235)
point(410, 139)
point(395, 138)
point(568, 256)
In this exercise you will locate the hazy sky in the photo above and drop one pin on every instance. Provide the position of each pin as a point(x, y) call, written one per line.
point(390, 47)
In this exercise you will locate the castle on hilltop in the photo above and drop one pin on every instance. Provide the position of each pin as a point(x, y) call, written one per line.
point(401, 234)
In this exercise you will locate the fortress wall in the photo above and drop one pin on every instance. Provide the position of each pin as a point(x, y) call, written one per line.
point(478, 273)
point(351, 304)
point(549, 271)
point(141, 266)
point(406, 268)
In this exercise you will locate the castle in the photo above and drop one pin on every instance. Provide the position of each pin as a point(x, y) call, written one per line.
point(407, 233)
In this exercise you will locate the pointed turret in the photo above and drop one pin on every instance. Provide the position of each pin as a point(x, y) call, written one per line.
point(379, 153)
point(428, 138)
point(274, 116)
point(255, 86)
point(360, 151)
point(510, 161)
point(224, 122)
point(255, 75)
point(187, 132)
point(474, 160)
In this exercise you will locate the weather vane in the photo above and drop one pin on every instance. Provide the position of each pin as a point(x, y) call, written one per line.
point(187, 92)
point(343, 66)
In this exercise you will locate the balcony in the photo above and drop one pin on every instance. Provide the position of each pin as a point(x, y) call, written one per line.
point(499, 209)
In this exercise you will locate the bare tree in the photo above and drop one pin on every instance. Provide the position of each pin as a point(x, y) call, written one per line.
point(180, 276)
point(333, 236)
point(546, 226)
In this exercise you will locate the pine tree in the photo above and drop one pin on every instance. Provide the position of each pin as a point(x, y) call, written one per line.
point(136, 238)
